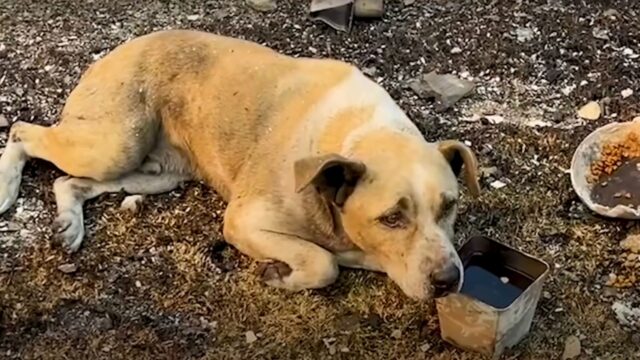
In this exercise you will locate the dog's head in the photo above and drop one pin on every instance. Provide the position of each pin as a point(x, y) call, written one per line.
point(398, 204)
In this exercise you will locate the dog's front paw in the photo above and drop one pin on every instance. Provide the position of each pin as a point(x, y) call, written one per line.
point(9, 186)
point(273, 272)
point(68, 230)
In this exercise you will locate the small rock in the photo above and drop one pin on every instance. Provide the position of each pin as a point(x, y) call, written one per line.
point(105, 324)
point(626, 93)
point(396, 334)
point(262, 5)
point(425, 347)
point(611, 13)
point(626, 315)
point(132, 203)
point(494, 119)
point(371, 70)
point(572, 348)
point(68, 268)
point(524, 34)
point(504, 279)
point(456, 50)
point(409, 2)
point(447, 88)
point(250, 337)
point(344, 349)
point(600, 33)
point(138, 284)
point(193, 17)
point(590, 111)
point(486, 172)
point(498, 184)
point(3, 122)
point(631, 243)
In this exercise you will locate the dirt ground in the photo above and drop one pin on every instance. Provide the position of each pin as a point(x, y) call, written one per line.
point(163, 285)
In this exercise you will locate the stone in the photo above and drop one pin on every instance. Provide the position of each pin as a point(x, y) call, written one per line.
point(486, 172)
point(409, 2)
point(447, 88)
point(3, 122)
point(498, 184)
point(626, 93)
point(262, 5)
point(626, 315)
point(590, 111)
point(456, 50)
point(611, 13)
point(572, 348)
point(68, 268)
point(193, 17)
point(250, 337)
point(396, 334)
point(524, 34)
point(600, 33)
point(132, 203)
point(631, 243)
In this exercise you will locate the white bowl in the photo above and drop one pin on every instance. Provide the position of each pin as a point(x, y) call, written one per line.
point(589, 151)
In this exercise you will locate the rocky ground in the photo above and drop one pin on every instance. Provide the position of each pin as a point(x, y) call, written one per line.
point(162, 284)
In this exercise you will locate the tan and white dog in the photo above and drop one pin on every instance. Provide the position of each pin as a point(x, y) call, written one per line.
point(319, 166)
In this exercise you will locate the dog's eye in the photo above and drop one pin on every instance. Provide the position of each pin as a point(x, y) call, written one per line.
point(446, 207)
point(394, 220)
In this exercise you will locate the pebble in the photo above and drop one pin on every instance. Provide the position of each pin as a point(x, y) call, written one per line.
point(425, 347)
point(68, 268)
point(626, 315)
point(590, 111)
point(572, 348)
point(486, 172)
point(498, 184)
point(132, 203)
point(626, 93)
point(262, 5)
point(193, 17)
point(494, 119)
point(456, 50)
point(396, 334)
point(600, 33)
point(524, 34)
point(448, 88)
point(138, 284)
point(611, 13)
point(250, 337)
point(3, 122)
point(409, 2)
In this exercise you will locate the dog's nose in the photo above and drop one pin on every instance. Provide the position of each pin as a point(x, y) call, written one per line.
point(446, 280)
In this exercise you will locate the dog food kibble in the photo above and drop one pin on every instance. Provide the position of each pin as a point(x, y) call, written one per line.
point(613, 155)
point(504, 280)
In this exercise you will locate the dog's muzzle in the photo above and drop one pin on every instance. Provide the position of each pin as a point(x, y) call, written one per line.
point(446, 280)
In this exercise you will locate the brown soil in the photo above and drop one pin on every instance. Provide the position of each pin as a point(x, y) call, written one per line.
point(162, 285)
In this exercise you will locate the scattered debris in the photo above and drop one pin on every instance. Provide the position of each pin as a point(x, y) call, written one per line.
point(447, 88)
point(572, 348)
point(626, 315)
point(600, 33)
point(396, 334)
point(590, 111)
point(250, 337)
point(626, 93)
point(3, 122)
point(631, 243)
point(330, 344)
point(68, 268)
point(524, 34)
point(498, 184)
point(132, 203)
point(262, 5)
point(336, 13)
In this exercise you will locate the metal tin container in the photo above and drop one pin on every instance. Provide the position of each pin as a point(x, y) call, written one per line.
point(475, 325)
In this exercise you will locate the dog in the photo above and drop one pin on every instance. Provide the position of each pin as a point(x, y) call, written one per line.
point(319, 166)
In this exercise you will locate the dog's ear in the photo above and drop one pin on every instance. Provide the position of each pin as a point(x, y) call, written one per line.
point(333, 176)
point(458, 154)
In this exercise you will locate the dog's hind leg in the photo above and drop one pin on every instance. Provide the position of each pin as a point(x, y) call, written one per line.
point(23, 144)
point(71, 193)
